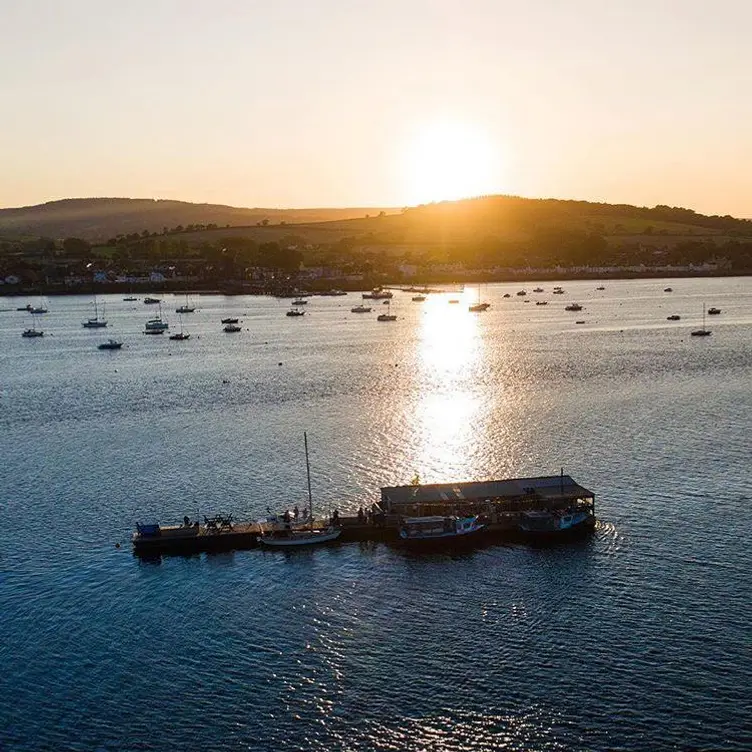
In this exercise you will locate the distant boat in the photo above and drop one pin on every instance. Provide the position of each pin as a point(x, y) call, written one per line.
point(418, 298)
point(181, 335)
point(27, 307)
point(360, 308)
point(558, 291)
point(538, 289)
point(573, 307)
point(702, 332)
point(479, 306)
point(713, 311)
point(522, 293)
point(295, 312)
point(230, 321)
point(453, 301)
point(541, 302)
point(95, 322)
point(378, 293)
point(32, 332)
point(232, 328)
point(668, 289)
point(388, 316)
point(156, 325)
point(300, 301)
point(111, 344)
point(291, 538)
point(41, 308)
point(507, 295)
point(187, 307)
point(673, 317)
point(600, 288)
point(151, 301)
point(130, 299)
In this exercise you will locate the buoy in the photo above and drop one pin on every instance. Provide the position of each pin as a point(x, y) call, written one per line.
point(117, 545)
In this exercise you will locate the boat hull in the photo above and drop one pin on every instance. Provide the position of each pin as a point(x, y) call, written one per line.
point(549, 525)
point(298, 539)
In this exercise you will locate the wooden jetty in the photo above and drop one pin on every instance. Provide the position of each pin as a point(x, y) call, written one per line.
point(501, 503)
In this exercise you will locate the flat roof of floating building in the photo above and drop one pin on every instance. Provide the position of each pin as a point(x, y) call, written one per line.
point(547, 486)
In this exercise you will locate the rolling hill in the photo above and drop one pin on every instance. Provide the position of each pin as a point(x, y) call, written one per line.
point(96, 219)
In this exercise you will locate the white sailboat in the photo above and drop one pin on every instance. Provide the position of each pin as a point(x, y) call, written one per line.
point(388, 316)
point(307, 536)
point(187, 307)
point(95, 322)
point(181, 335)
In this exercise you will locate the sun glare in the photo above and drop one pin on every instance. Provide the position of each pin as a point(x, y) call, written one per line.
point(449, 160)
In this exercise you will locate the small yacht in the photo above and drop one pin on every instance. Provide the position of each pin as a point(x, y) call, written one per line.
point(557, 522)
point(600, 288)
point(130, 299)
point(702, 332)
point(668, 289)
point(541, 302)
point(300, 301)
point(230, 321)
point(538, 289)
point(111, 344)
point(32, 333)
point(418, 298)
point(95, 322)
point(713, 311)
point(232, 328)
point(507, 295)
point(361, 309)
point(180, 336)
point(388, 316)
point(522, 293)
point(673, 317)
point(151, 301)
point(187, 307)
point(295, 312)
point(558, 291)
point(573, 307)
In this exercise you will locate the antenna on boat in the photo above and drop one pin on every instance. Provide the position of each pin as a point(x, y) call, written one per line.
point(308, 474)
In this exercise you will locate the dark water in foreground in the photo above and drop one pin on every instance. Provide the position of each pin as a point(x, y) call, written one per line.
point(636, 639)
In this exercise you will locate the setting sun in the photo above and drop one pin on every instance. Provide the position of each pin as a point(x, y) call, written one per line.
point(450, 160)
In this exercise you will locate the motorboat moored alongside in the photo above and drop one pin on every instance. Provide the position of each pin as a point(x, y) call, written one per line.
point(557, 521)
point(424, 531)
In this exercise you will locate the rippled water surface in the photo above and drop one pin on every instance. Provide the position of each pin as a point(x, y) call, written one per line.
point(636, 639)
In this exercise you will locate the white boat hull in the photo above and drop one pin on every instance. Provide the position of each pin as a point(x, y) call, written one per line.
point(301, 538)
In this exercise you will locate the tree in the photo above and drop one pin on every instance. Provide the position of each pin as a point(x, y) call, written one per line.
point(76, 247)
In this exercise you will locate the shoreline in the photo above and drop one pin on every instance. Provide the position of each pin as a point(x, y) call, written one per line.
point(246, 288)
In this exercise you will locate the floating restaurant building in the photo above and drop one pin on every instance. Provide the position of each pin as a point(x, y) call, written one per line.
point(500, 501)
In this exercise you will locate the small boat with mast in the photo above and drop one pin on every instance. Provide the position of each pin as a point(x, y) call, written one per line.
point(95, 322)
point(704, 332)
point(308, 536)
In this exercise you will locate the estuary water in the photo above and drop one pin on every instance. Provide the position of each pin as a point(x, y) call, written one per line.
point(638, 638)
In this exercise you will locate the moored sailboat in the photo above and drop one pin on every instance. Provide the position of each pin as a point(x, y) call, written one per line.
point(309, 536)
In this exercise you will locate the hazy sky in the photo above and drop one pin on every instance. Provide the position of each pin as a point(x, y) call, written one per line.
point(349, 103)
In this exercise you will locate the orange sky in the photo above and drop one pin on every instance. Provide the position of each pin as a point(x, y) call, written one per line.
point(339, 103)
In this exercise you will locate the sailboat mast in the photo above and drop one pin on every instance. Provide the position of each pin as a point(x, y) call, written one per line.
point(308, 474)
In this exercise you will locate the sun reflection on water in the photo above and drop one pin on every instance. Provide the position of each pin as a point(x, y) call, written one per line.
point(450, 353)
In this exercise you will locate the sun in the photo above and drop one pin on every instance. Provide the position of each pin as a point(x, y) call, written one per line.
point(450, 160)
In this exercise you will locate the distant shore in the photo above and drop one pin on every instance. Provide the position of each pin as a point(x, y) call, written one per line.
point(324, 285)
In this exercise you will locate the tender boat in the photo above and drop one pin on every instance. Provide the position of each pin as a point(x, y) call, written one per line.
point(713, 311)
point(32, 333)
point(668, 289)
point(185, 309)
point(111, 344)
point(541, 302)
point(573, 307)
point(230, 321)
point(557, 521)
point(151, 301)
point(232, 328)
point(295, 312)
point(673, 317)
point(600, 288)
point(360, 309)
point(291, 537)
point(422, 531)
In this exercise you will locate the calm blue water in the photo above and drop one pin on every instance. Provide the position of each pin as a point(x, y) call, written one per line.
point(638, 639)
